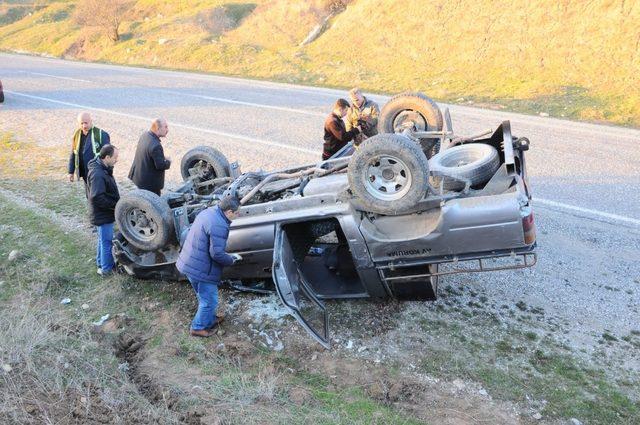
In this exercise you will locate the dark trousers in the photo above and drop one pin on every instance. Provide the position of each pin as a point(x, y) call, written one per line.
point(86, 187)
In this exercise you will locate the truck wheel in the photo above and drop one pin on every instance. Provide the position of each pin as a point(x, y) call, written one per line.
point(476, 162)
point(204, 163)
point(388, 174)
point(144, 219)
point(414, 110)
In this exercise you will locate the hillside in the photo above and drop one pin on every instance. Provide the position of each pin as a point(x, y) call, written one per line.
point(567, 58)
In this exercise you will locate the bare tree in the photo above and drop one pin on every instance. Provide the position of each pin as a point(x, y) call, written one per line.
point(106, 15)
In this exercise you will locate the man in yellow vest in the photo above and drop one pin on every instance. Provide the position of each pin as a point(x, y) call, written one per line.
point(85, 146)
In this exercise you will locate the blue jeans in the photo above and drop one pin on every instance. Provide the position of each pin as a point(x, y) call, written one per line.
point(104, 257)
point(207, 294)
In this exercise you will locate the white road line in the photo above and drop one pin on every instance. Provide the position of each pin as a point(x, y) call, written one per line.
point(199, 96)
point(287, 146)
point(61, 78)
point(238, 102)
point(542, 201)
point(595, 213)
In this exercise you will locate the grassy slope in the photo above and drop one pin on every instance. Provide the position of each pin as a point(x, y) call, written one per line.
point(569, 58)
point(511, 364)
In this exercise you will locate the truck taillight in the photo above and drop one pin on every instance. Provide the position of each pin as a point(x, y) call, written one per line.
point(529, 228)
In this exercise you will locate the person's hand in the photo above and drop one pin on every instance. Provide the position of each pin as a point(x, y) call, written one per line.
point(236, 257)
point(71, 177)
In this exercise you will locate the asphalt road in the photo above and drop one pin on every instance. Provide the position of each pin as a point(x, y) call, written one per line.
point(585, 177)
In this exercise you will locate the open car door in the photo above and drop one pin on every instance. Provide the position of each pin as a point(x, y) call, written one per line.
point(295, 292)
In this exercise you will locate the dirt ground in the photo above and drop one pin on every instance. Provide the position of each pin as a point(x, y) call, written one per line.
point(247, 332)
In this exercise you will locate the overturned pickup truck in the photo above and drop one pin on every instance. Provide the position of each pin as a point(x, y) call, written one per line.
point(387, 219)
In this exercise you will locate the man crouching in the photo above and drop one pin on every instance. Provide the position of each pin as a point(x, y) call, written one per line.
point(202, 258)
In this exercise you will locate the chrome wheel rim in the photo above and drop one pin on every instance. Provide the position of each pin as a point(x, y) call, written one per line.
point(139, 224)
point(387, 178)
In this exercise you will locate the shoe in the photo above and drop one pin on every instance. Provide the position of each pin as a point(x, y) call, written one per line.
point(107, 274)
point(216, 322)
point(202, 333)
point(99, 271)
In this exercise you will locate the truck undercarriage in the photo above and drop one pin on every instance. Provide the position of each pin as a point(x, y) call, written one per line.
point(388, 219)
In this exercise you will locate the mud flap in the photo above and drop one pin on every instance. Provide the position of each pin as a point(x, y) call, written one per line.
point(295, 292)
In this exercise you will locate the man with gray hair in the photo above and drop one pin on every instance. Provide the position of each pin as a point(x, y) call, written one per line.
point(363, 113)
point(149, 162)
point(85, 146)
point(202, 258)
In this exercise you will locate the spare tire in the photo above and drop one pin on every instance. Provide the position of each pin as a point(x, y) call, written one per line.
point(414, 110)
point(144, 219)
point(204, 163)
point(476, 162)
point(388, 174)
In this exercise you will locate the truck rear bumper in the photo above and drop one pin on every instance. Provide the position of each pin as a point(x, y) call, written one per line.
point(511, 259)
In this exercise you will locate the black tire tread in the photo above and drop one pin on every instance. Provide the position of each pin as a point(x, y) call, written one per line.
point(144, 199)
point(216, 158)
point(479, 175)
point(401, 102)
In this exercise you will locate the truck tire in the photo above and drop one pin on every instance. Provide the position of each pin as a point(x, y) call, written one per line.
point(144, 219)
point(476, 162)
point(209, 163)
point(414, 108)
point(388, 174)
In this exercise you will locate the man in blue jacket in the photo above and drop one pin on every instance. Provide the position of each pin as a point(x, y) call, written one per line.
point(203, 257)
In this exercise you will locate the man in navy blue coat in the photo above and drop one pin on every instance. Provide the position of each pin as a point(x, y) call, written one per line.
point(203, 257)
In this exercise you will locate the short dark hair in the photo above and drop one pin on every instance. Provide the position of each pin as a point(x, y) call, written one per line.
point(340, 103)
point(107, 150)
point(229, 203)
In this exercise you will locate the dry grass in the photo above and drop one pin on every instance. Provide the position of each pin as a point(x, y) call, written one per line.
point(54, 369)
point(57, 370)
point(571, 59)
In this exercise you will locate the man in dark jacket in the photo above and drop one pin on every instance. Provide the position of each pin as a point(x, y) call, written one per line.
point(149, 163)
point(85, 146)
point(336, 135)
point(103, 197)
point(202, 258)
